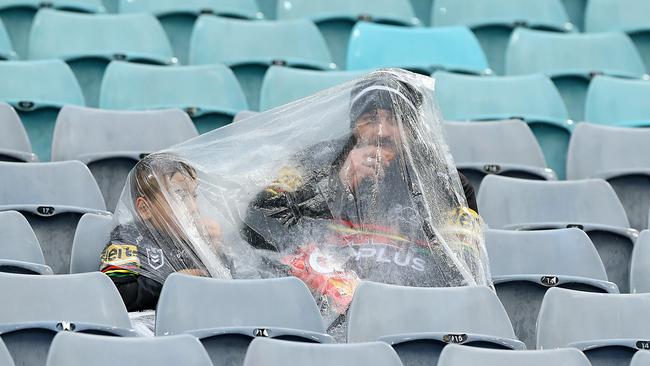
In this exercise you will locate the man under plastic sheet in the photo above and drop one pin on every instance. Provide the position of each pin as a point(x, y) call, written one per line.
point(359, 203)
point(353, 183)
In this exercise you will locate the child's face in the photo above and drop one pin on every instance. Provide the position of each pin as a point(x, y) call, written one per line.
point(178, 200)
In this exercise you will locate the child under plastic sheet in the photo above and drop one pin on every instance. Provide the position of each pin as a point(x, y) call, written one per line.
point(353, 183)
point(360, 202)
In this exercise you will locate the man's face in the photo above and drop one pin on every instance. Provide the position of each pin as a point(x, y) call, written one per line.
point(378, 127)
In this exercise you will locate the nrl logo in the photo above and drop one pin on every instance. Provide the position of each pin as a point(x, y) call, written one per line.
point(155, 258)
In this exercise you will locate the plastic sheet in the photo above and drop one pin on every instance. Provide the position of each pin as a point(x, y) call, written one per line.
point(353, 183)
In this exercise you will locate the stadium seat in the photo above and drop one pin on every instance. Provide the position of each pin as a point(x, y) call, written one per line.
point(210, 94)
point(18, 15)
point(422, 9)
point(640, 267)
point(524, 264)
point(505, 148)
point(41, 306)
point(422, 50)
point(252, 47)
point(52, 196)
point(20, 251)
point(89, 42)
point(606, 327)
point(6, 48)
point(227, 314)
point(641, 358)
point(492, 21)
point(268, 8)
point(455, 355)
point(178, 17)
point(5, 356)
point(37, 90)
point(419, 322)
point(336, 18)
point(576, 11)
point(283, 85)
point(14, 143)
point(70, 349)
point(531, 98)
point(270, 352)
point(626, 16)
point(110, 143)
point(244, 114)
point(91, 237)
point(590, 205)
point(583, 57)
point(620, 156)
point(618, 102)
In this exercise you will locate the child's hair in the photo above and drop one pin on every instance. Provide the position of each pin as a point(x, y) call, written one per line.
point(144, 180)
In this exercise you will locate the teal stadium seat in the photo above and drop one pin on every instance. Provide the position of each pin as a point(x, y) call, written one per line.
point(38, 90)
point(618, 102)
point(251, 47)
point(572, 60)
point(423, 50)
point(629, 16)
point(531, 98)
point(283, 85)
point(268, 8)
point(14, 143)
point(89, 42)
point(19, 14)
point(576, 11)
point(6, 48)
point(210, 94)
point(178, 17)
point(336, 18)
point(493, 21)
point(422, 9)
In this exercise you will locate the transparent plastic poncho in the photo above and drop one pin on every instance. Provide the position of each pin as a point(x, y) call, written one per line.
point(353, 183)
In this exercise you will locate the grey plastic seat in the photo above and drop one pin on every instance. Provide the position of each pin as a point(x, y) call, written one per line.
point(227, 314)
point(5, 356)
point(422, 50)
point(178, 17)
point(640, 267)
point(243, 115)
point(336, 18)
point(506, 148)
point(626, 16)
point(455, 355)
point(641, 358)
point(20, 251)
point(37, 90)
point(283, 85)
point(110, 143)
point(6, 48)
point(583, 56)
point(618, 102)
point(524, 264)
point(606, 327)
point(41, 306)
point(210, 94)
point(296, 43)
point(531, 98)
point(70, 349)
point(89, 42)
point(419, 322)
point(272, 352)
point(493, 21)
point(590, 205)
point(52, 196)
point(92, 234)
point(18, 16)
point(620, 156)
point(14, 143)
